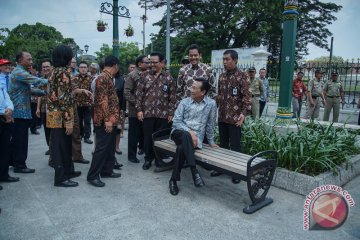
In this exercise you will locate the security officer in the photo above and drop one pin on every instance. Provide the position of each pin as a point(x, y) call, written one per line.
point(257, 90)
point(315, 94)
point(333, 91)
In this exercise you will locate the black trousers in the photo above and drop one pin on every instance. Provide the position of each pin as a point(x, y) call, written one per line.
point(60, 152)
point(262, 106)
point(103, 160)
point(35, 119)
point(46, 129)
point(5, 135)
point(84, 114)
point(19, 142)
point(184, 151)
point(230, 136)
point(135, 130)
point(151, 125)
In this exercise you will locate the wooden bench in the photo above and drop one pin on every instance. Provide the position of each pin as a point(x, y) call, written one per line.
point(258, 170)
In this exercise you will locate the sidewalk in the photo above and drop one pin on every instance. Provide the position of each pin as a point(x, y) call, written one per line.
point(139, 206)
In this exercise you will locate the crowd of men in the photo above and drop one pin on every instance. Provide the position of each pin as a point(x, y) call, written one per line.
point(70, 97)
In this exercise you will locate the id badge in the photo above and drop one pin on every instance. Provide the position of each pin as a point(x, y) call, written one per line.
point(300, 90)
point(234, 91)
point(165, 88)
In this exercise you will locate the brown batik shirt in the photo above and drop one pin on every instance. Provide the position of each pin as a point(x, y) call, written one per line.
point(234, 97)
point(130, 88)
point(155, 97)
point(83, 82)
point(106, 103)
point(187, 75)
point(60, 102)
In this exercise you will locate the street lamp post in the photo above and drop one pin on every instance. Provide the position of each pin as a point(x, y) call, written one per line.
point(168, 35)
point(115, 11)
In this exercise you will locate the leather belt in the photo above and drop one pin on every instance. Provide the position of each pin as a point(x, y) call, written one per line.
point(332, 96)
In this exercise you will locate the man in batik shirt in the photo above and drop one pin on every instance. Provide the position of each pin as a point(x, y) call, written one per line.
point(194, 69)
point(155, 104)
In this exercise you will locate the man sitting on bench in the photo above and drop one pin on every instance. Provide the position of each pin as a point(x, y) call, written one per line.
point(193, 117)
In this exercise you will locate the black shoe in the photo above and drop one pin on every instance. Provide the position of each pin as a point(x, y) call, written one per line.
point(118, 152)
point(75, 174)
point(112, 175)
point(146, 165)
point(51, 164)
point(83, 161)
point(96, 182)
point(235, 180)
point(10, 179)
point(117, 165)
point(35, 132)
point(215, 174)
point(0, 187)
point(198, 181)
point(174, 190)
point(23, 170)
point(47, 152)
point(67, 183)
point(141, 151)
point(87, 140)
point(134, 160)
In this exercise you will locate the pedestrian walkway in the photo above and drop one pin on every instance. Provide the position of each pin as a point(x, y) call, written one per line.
point(139, 206)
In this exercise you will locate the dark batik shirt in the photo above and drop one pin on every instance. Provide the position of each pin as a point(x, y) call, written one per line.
point(106, 102)
point(234, 96)
point(83, 82)
point(187, 75)
point(130, 88)
point(60, 102)
point(155, 97)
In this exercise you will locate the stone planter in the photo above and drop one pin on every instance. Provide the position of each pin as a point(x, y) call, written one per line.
point(304, 184)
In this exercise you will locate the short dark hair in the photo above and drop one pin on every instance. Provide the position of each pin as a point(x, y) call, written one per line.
point(46, 60)
point(83, 62)
point(300, 72)
point(62, 55)
point(233, 54)
point(262, 69)
point(102, 64)
point(111, 61)
point(194, 46)
point(161, 57)
point(139, 60)
point(18, 56)
point(205, 84)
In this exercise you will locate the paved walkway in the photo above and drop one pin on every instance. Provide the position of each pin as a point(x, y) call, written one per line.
point(138, 206)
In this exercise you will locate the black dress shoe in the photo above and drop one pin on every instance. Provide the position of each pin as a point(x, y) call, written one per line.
point(141, 151)
point(146, 165)
point(134, 160)
point(83, 161)
point(174, 190)
point(235, 180)
point(215, 174)
point(35, 132)
point(47, 152)
point(198, 181)
point(0, 187)
point(96, 182)
point(118, 152)
point(117, 165)
point(23, 170)
point(88, 141)
point(112, 175)
point(67, 183)
point(75, 174)
point(10, 179)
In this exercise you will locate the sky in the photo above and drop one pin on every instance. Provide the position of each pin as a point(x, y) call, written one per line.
point(77, 19)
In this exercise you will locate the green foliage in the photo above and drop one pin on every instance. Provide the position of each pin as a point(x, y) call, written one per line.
point(312, 150)
point(326, 59)
point(220, 24)
point(38, 39)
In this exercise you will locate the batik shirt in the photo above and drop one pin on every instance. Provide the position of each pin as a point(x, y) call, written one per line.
point(155, 97)
point(130, 88)
point(298, 89)
point(60, 103)
point(20, 91)
point(106, 102)
point(199, 117)
point(83, 82)
point(187, 75)
point(234, 97)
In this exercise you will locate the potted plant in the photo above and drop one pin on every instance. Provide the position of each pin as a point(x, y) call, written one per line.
point(129, 31)
point(101, 25)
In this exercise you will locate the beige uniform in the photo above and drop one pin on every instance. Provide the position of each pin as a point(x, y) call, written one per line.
point(333, 90)
point(256, 90)
point(315, 86)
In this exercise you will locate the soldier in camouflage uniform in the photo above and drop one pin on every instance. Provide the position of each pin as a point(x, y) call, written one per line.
point(333, 91)
point(315, 94)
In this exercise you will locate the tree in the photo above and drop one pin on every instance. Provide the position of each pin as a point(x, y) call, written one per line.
point(128, 52)
point(38, 39)
point(326, 59)
point(217, 24)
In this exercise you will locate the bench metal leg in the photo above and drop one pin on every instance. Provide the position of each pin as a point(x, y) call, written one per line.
point(254, 207)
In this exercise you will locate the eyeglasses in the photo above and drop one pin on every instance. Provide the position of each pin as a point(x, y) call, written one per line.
point(154, 62)
point(82, 67)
